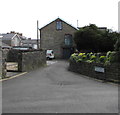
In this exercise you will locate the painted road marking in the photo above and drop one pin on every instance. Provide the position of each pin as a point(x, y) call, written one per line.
point(13, 76)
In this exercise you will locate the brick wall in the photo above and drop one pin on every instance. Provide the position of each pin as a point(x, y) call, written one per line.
point(112, 72)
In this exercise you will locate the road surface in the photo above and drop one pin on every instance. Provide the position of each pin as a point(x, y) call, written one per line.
point(54, 89)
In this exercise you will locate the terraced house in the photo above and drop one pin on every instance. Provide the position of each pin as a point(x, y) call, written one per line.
point(58, 36)
point(11, 39)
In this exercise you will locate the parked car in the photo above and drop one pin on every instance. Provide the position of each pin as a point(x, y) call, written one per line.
point(50, 54)
point(6, 47)
point(22, 48)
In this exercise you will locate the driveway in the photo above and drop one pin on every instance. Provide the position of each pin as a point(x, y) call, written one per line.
point(54, 89)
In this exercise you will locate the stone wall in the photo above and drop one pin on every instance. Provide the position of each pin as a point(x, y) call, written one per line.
point(111, 72)
point(27, 60)
point(32, 60)
point(3, 56)
point(13, 55)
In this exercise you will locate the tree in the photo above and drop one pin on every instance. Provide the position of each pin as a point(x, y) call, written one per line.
point(117, 45)
point(91, 38)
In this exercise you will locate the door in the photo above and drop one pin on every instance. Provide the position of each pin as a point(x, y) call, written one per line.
point(67, 53)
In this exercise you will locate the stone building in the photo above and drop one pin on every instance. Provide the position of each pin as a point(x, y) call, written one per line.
point(58, 36)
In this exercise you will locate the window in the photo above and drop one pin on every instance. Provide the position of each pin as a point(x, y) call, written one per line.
point(59, 25)
point(68, 40)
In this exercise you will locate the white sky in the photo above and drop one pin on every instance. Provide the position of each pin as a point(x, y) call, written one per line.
point(22, 15)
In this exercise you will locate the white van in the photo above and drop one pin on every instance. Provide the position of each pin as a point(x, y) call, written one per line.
point(50, 54)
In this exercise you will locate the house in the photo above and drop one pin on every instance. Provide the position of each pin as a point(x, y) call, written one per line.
point(30, 42)
point(5, 46)
point(58, 36)
point(17, 39)
point(11, 39)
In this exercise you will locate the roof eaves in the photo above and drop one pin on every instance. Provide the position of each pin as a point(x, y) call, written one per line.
point(17, 36)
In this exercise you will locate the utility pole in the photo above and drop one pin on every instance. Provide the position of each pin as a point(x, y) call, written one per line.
point(37, 36)
point(77, 24)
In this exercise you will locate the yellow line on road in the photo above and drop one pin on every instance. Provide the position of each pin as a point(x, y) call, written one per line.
point(13, 76)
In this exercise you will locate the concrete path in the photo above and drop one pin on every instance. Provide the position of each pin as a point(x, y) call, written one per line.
point(54, 89)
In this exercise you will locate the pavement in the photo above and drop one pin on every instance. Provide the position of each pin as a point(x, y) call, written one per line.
point(54, 89)
point(10, 74)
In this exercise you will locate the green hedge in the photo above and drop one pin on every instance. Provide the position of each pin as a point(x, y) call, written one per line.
point(110, 57)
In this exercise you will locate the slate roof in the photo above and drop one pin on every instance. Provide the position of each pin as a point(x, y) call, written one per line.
point(6, 39)
point(8, 36)
point(2, 43)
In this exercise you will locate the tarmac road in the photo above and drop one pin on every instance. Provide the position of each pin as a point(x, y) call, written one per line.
point(54, 89)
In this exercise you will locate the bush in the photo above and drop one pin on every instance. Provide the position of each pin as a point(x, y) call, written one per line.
point(102, 59)
point(74, 57)
point(91, 38)
point(114, 57)
point(117, 45)
point(93, 57)
point(111, 57)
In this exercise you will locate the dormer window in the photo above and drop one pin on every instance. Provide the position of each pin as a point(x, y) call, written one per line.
point(59, 25)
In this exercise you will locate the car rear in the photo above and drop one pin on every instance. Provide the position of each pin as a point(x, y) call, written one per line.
point(50, 54)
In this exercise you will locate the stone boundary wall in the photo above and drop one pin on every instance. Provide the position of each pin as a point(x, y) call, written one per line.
point(3, 70)
point(31, 60)
point(27, 60)
point(111, 72)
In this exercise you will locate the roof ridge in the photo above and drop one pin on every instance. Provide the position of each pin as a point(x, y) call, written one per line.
point(61, 20)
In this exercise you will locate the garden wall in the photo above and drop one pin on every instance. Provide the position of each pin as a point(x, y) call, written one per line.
point(31, 60)
point(27, 60)
point(3, 70)
point(109, 72)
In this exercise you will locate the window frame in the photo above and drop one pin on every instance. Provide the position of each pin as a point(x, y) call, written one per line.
point(59, 25)
point(68, 40)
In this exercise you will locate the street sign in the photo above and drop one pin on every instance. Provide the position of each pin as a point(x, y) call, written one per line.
point(99, 69)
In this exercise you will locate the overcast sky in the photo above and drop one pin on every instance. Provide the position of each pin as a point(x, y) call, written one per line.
point(22, 15)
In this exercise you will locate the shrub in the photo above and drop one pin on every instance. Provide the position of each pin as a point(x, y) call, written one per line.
point(90, 61)
point(74, 57)
point(114, 57)
point(117, 45)
point(84, 57)
point(81, 54)
point(79, 60)
point(102, 59)
point(93, 57)
point(111, 57)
